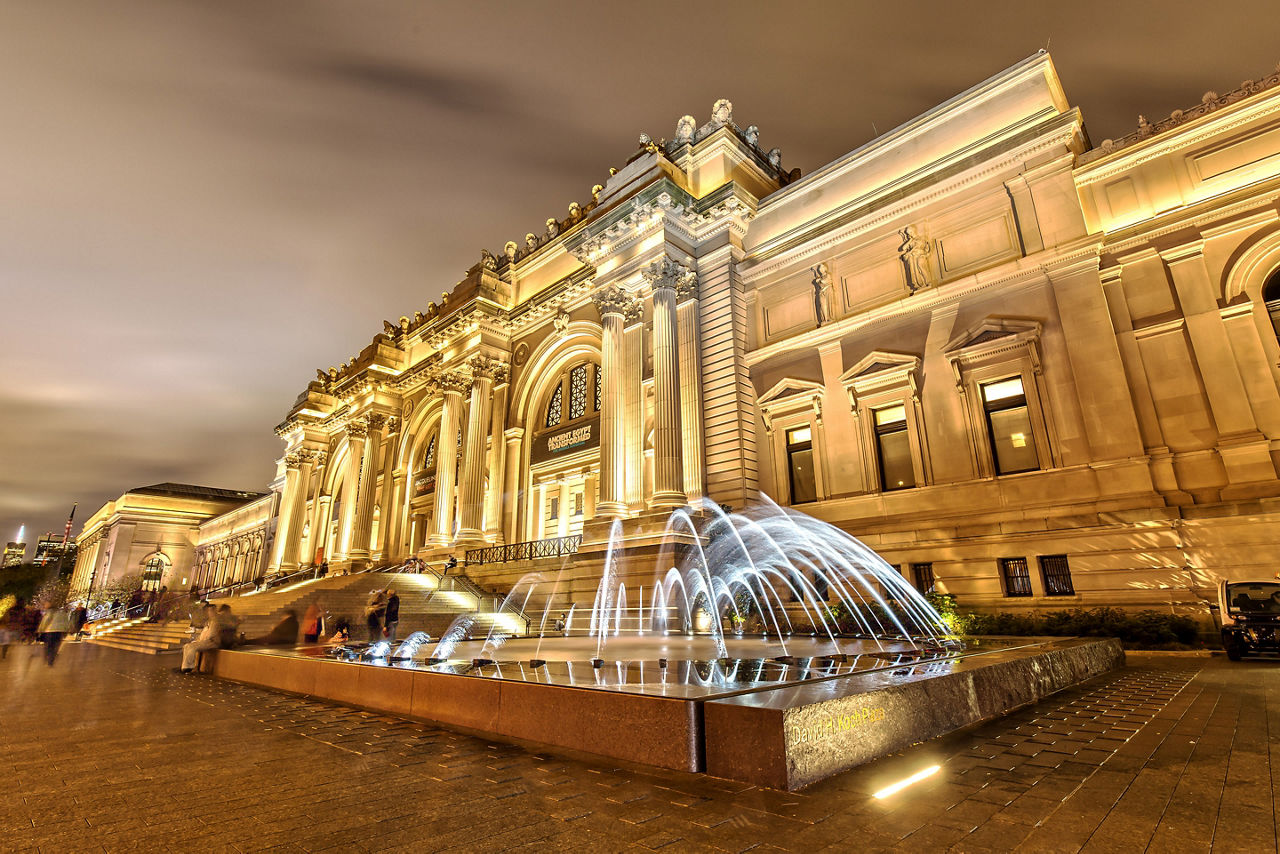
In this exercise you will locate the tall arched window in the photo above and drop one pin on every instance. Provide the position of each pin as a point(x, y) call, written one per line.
point(153, 571)
point(429, 458)
point(1271, 297)
point(580, 386)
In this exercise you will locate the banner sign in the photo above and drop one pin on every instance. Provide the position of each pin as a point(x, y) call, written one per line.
point(424, 484)
point(581, 436)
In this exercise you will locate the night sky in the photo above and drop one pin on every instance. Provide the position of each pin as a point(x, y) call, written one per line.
point(202, 203)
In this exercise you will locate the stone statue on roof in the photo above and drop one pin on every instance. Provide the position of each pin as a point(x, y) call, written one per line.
point(722, 112)
point(753, 135)
point(487, 260)
point(685, 130)
point(510, 251)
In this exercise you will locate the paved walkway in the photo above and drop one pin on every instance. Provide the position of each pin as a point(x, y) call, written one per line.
point(109, 750)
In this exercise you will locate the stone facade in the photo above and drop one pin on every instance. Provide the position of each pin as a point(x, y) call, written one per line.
point(1027, 371)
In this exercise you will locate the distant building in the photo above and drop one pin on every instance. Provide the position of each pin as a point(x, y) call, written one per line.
point(14, 553)
point(50, 548)
point(152, 532)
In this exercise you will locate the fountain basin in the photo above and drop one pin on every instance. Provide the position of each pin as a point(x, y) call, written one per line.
point(751, 719)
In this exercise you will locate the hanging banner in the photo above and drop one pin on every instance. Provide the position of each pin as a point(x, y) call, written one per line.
point(424, 484)
point(579, 437)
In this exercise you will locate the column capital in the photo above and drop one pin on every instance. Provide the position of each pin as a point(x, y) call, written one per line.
point(487, 368)
point(513, 434)
point(447, 382)
point(293, 461)
point(612, 299)
point(357, 428)
point(666, 273)
point(315, 458)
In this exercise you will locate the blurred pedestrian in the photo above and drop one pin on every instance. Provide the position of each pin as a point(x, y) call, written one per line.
point(11, 626)
point(391, 617)
point(228, 626)
point(54, 626)
point(373, 613)
point(313, 622)
point(284, 633)
point(207, 640)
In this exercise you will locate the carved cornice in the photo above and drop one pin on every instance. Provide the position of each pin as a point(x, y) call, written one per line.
point(1211, 102)
point(666, 273)
point(614, 300)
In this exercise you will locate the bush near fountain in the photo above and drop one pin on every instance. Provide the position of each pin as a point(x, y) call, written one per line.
point(1155, 630)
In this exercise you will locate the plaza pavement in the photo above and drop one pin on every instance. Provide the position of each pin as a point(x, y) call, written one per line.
point(111, 751)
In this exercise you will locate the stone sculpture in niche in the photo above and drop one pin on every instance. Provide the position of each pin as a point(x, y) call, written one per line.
point(824, 297)
point(914, 253)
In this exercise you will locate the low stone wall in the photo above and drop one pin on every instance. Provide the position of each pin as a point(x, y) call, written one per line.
point(791, 737)
point(657, 731)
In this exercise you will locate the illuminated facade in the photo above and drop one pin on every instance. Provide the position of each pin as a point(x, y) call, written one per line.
point(14, 554)
point(1026, 370)
point(52, 548)
point(151, 533)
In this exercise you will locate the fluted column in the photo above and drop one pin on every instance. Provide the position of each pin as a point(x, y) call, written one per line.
point(690, 387)
point(307, 460)
point(451, 385)
point(484, 370)
point(633, 408)
point(614, 304)
point(664, 275)
point(497, 461)
point(511, 490)
point(386, 501)
point(321, 523)
point(356, 432)
point(284, 526)
point(367, 495)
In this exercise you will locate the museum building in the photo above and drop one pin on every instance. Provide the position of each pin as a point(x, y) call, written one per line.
point(1026, 369)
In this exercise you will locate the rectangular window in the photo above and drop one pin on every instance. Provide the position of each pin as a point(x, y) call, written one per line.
point(800, 465)
point(1017, 578)
point(579, 500)
point(894, 448)
point(1009, 426)
point(1057, 575)
point(923, 575)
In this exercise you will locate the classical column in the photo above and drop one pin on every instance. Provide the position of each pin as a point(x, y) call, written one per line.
point(393, 541)
point(320, 525)
point(497, 461)
point(367, 495)
point(633, 407)
point(388, 520)
point(300, 463)
point(484, 371)
point(664, 275)
point(284, 527)
point(613, 303)
point(451, 385)
point(690, 386)
point(356, 432)
point(511, 490)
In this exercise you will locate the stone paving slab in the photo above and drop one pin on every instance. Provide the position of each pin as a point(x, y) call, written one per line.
point(110, 751)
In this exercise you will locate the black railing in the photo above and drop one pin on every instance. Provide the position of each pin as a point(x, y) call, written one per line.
point(532, 550)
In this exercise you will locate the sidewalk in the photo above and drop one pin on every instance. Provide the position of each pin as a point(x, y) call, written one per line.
point(110, 750)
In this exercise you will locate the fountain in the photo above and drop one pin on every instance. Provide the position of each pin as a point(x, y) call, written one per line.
point(760, 644)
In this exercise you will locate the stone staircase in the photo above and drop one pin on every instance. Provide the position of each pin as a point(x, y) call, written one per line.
point(426, 605)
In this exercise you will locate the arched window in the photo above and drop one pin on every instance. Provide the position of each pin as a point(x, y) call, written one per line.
point(153, 571)
point(580, 385)
point(1271, 297)
point(554, 408)
point(429, 458)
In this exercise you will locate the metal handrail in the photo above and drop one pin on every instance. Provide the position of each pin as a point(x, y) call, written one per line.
point(531, 550)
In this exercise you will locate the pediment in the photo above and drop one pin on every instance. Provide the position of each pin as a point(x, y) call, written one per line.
point(994, 331)
point(879, 362)
point(790, 390)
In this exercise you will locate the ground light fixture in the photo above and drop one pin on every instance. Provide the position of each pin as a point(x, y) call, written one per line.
point(902, 784)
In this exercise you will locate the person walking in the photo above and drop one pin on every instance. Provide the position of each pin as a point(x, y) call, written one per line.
point(53, 628)
point(391, 618)
point(373, 614)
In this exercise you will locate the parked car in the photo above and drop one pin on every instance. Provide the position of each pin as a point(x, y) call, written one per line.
point(1250, 613)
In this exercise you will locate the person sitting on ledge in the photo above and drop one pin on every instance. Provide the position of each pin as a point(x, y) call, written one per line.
point(285, 632)
point(227, 623)
point(342, 633)
point(207, 639)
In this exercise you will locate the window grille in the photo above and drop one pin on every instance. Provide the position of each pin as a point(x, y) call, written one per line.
point(923, 575)
point(596, 403)
point(577, 392)
point(1017, 577)
point(1057, 575)
point(553, 408)
point(429, 459)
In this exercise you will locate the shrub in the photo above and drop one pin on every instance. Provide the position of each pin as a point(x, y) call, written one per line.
point(1140, 629)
